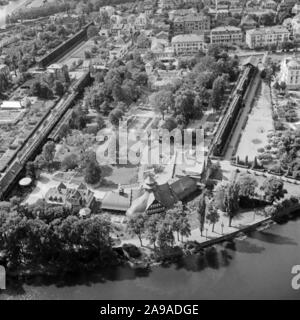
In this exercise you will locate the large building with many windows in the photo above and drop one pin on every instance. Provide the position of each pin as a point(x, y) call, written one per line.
point(193, 23)
point(265, 36)
point(226, 35)
point(290, 72)
point(188, 44)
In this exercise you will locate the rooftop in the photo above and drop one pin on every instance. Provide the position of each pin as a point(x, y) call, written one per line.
point(188, 38)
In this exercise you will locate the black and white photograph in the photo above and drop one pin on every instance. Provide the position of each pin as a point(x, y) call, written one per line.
point(149, 151)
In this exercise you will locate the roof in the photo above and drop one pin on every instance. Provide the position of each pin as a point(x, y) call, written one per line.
point(226, 29)
point(115, 201)
point(265, 30)
point(11, 105)
point(251, 60)
point(184, 187)
point(191, 17)
point(25, 181)
point(188, 38)
point(164, 195)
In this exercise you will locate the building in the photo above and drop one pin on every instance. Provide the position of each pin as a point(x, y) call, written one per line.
point(181, 13)
point(157, 198)
point(188, 44)
point(119, 201)
point(76, 199)
point(269, 4)
point(226, 35)
point(141, 22)
point(290, 72)
point(295, 27)
point(286, 5)
point(260, 37)
point(58, 70)
point(196, 24)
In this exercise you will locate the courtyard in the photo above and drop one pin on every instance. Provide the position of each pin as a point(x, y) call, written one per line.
point(258, 126)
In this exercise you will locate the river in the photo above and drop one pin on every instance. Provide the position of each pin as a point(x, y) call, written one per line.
point(258, 267)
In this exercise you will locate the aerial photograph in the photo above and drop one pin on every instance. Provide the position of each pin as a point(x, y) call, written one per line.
point(149, 150)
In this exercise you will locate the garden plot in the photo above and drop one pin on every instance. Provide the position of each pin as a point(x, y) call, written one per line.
point(259, 125)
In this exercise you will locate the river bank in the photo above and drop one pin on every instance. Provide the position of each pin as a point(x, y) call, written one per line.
point(146, 257)
point(258, 267)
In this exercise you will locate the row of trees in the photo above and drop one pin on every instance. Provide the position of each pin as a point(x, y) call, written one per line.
point(159, 228)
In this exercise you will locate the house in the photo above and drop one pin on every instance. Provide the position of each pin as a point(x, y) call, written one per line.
point(119, 201)
point(269, 4)
point(226, 35)
point(181, 13)
point(193, 23)
point(265, 36)
point(116, 29)
point(157, 198)
point(290, 72)
point(57, 70)
point(141, 22)
point(188, 44)
point(76, 199)
point(295, 27)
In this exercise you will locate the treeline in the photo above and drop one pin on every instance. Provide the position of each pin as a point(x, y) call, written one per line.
point(37, 12)
point(52, 238)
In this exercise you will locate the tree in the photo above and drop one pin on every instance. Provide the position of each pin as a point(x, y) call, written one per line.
point(170, 124)
point(165, 236)
point(59, 88)
point(92, 31)
point(201, 212)
point(92, 172)
point(273, 189)
point(184, 227)
point(70, 162)
point(100, 122)
point(217, 94)
point(231, 200)
point(162, 101)
point(152, 225)
point(212, 214)
point(48, 152)
point(136, 225)
point(115, 116)
point(247, 186)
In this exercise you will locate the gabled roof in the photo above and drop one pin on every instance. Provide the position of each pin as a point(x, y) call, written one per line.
point(184, 187)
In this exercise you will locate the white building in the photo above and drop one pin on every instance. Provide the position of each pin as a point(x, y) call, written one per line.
point(188, 44)
point(266, 36)
point(226, 35)
point(290, 72)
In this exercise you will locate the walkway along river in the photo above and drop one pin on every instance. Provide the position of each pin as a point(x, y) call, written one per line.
point(254, 268)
